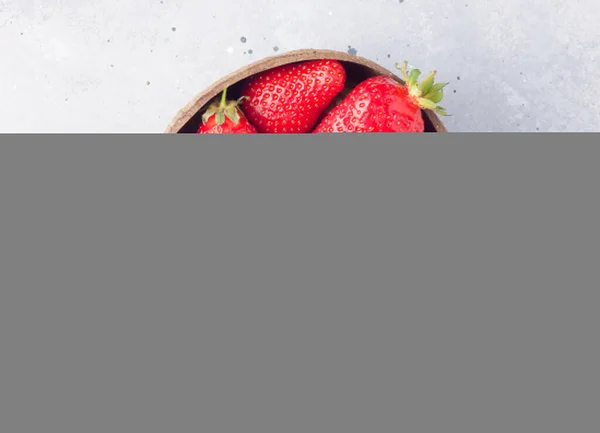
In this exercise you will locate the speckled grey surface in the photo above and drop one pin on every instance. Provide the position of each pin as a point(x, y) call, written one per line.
point(116, 66)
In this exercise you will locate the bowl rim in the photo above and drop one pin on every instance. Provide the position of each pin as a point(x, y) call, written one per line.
point(205, 96)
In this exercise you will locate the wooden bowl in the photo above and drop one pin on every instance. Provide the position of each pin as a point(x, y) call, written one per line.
point(188, 119)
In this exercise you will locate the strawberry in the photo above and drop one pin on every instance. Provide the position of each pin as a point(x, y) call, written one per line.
point(224, 117)
point(381, 104)
point(290, 99)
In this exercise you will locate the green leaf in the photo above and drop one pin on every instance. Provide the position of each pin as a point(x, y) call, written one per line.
point(220, 118)
point(427, 83)
point(232, 113)
point(207, 115)
point(435, 88)
point(441, 111)
point(436, 97)
point(413, 77)
point(403, 70)
point(426, 103)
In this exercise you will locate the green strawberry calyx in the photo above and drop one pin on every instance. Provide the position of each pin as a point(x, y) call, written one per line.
point(427, 94)
point(222, 109)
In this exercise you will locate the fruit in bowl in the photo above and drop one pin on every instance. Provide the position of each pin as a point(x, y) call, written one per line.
point(291, 98)
point(381, 104)
point(316, 91)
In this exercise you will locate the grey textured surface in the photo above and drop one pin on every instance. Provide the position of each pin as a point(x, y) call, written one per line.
point(116, 66)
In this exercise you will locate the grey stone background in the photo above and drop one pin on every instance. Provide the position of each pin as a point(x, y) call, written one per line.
point(117, 66)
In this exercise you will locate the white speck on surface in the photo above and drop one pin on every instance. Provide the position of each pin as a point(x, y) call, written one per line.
point(330, 13)
point(230, 50)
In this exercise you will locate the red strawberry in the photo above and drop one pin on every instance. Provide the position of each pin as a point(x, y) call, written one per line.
point(224, 117)
point(290, 99)
point(381, 104)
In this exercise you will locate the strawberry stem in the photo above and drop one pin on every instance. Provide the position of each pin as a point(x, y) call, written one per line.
point(223, 109)
point(426, 94)
point(224, 98)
